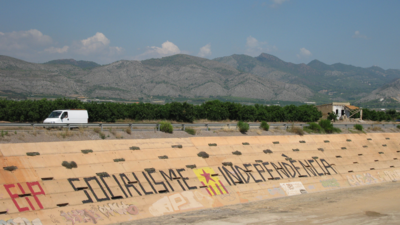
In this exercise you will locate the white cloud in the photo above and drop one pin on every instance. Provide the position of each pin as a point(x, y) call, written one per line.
point(205, 50)
point(167, 48)
point(255, 47)
point(34, 46)
point(357, 34)
point(20, 40)
point(304, 53)
point(52, 50)
point(98, 43)
point(276, 3)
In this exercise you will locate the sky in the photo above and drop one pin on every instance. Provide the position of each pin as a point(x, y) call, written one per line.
point(358, 32)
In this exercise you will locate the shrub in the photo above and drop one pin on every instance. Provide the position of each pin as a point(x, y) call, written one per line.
point(190, 131)
point(264, 125)
point(327, 126)
point(296, 130)
point(398, 126)
point(377, 128)
point(243, 126)
point(332, 116)
point(313, 127)
point(166, 127)
point(358, 127)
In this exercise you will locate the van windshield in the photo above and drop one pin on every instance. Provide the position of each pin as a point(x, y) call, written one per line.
point(54, 114)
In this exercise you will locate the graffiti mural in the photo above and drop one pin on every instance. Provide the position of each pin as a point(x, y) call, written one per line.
point(292, 188)
point(330, 183)
point(21, 220)
point(361, 179)
point(81, 216)
point(206, 178)
point(113, 209)
point(180, 201)
point(390, 175)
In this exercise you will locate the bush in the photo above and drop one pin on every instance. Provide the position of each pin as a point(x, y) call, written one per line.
point(243, 127)
point(327, 126)
point(296, 130)
point(358, 127)
point(190, 131)
point(332, 116)
point(264, 125)
point(314, 127)
point(166, 127)
point(398, 126)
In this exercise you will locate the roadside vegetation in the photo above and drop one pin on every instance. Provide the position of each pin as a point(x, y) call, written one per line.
point(190, 130)
point(323, 126)
point(166, 127)
point(358, 127)
point(243, 126)
point(264, 126)
point(38, 110)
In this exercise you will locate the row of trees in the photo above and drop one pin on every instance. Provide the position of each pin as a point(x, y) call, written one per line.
point(38, 110)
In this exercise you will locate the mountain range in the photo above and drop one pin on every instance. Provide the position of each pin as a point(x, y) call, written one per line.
point(339, 82)
point(264, 77)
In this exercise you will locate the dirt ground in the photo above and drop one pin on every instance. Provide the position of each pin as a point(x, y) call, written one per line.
point(19, 135)
point(372, 204)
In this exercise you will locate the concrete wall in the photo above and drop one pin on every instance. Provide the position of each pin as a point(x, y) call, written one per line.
point(42, 191)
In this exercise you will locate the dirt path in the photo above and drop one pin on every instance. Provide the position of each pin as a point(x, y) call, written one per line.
point(373, 204)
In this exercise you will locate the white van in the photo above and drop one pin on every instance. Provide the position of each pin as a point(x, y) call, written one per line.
point(68, 116)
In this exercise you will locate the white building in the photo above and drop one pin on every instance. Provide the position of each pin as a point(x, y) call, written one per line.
point(341, 109)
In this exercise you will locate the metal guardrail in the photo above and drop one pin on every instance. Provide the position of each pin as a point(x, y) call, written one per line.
point(183, 126)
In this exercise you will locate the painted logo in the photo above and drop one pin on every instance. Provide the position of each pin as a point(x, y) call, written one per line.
point(209, 178)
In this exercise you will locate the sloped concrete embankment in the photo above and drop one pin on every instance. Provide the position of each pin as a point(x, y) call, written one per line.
point(123, 180)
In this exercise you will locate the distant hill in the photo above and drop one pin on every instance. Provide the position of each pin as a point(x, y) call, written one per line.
point(82, 64)
point(174, 76)
point(337, 81)
point(390, 90)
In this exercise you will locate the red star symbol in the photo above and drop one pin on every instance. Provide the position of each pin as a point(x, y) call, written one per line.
point(207, 176)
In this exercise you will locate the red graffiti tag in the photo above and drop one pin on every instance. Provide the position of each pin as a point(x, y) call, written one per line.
point(34, 194)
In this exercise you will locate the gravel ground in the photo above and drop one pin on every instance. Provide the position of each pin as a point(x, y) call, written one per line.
point(16, 135)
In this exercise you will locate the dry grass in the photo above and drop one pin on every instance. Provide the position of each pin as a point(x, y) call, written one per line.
point(34, 133)
point(128, 130)
point(259, 132)
point(376, 129)
point(296, 130)
point(113, 132)
point(118, 135)
point(97, 130)
point(227, 129)
point(81, 130)
point(64, 134)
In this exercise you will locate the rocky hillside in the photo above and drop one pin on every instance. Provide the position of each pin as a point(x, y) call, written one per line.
point(337, 81)
point(81, 63)
point(390, 90)
point(178, 75)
